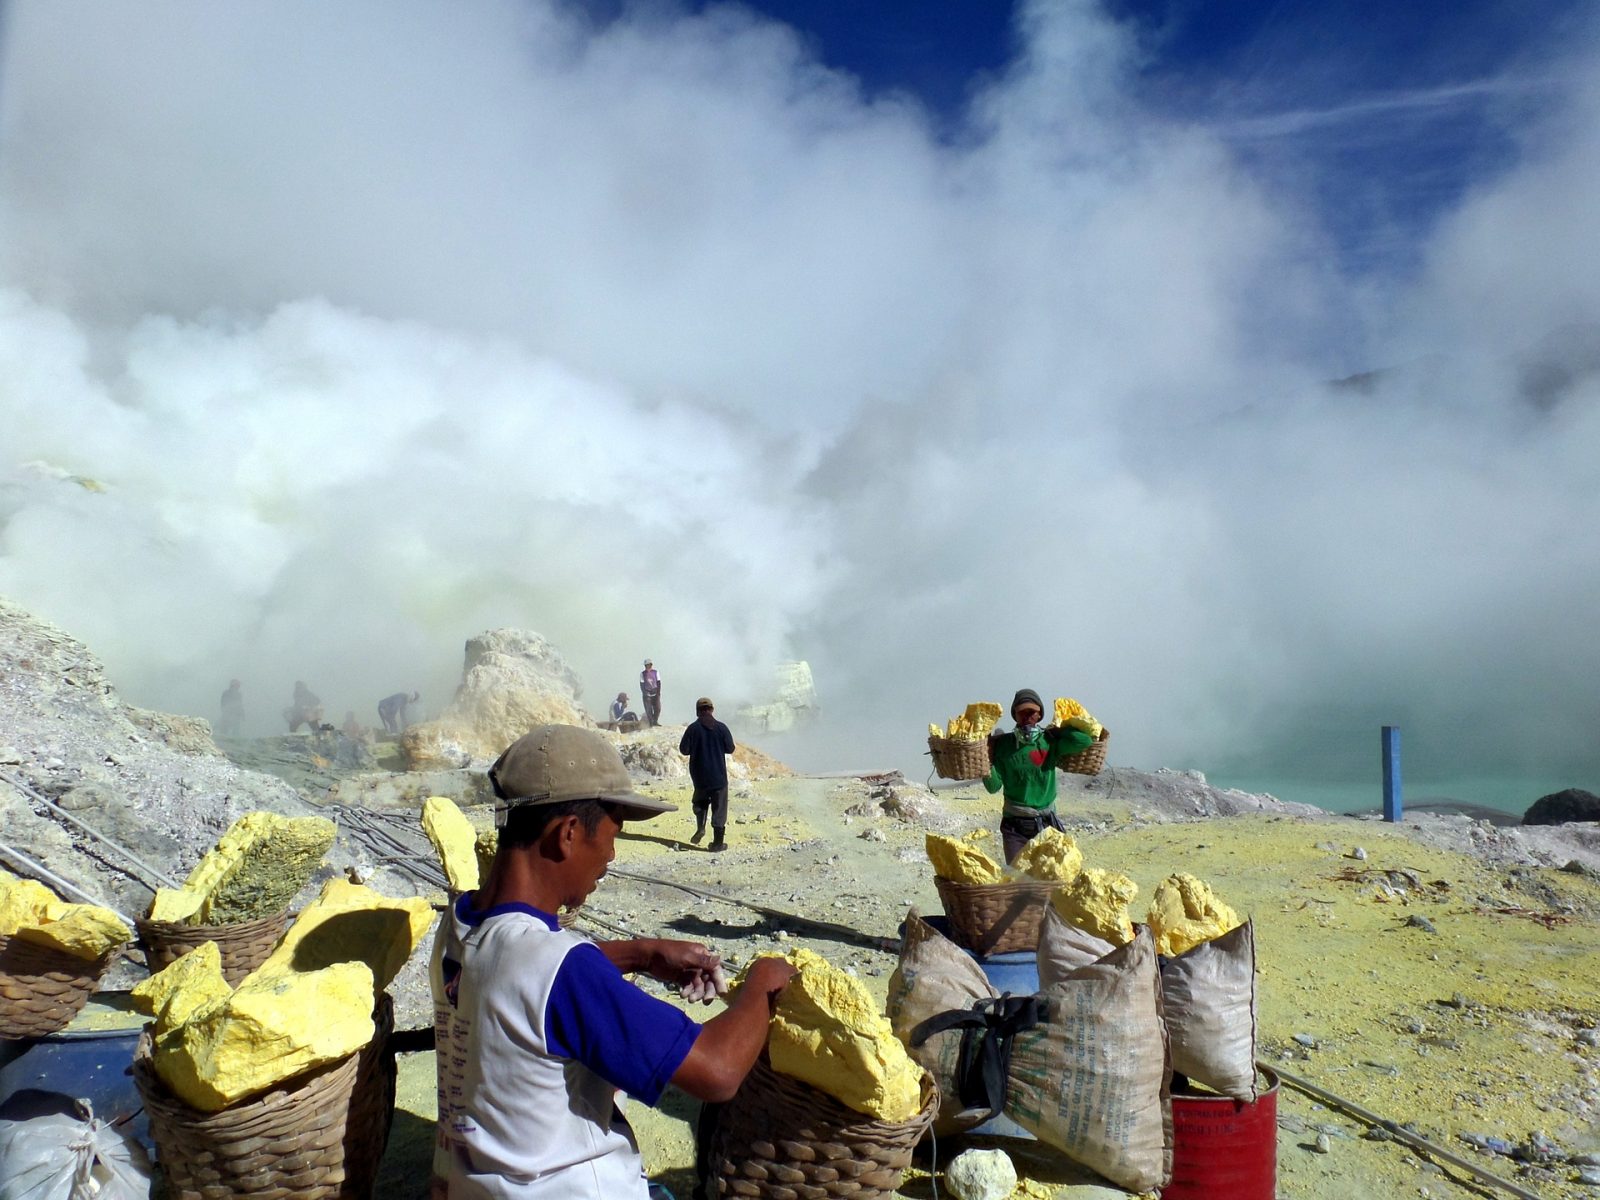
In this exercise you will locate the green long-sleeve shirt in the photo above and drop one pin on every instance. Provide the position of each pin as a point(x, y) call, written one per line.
point(1025, 769)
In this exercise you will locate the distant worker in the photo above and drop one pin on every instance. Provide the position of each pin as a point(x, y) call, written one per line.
point(232, 706)
point(650, 692)
point(1023, 766)
point(392, 711)
point(620, 712)
point(707, 742)
point(306, 709)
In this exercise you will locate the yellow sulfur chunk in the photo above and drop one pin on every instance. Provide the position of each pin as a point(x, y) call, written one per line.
point(84, 931)
point(26, 902)
point(973, 725)
point(453, 839)
point(1076, 716)
point(351, 923)
point(1097, 902)
point(272, 1028)
point(1051, 855)
point(934, 730)
point(960, 861)
point(31, 912)
point(254, 871)
point(183, 988)
point(829, 1033)
point(1186, 912)
point(486, 844)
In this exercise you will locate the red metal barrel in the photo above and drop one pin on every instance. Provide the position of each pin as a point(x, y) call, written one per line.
point(1224, 1149)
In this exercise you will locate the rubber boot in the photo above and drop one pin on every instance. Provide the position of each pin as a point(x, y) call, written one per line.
point(716, 842)
point(699, 828)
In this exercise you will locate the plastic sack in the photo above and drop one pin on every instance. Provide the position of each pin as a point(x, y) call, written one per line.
point(62, 1157)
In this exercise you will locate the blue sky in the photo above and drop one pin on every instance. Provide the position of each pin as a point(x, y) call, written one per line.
point(1384, 112)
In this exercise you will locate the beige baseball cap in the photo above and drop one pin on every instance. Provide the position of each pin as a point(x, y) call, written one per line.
point(552, 764)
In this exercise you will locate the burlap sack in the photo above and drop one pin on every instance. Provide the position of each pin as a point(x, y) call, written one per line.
point(1063, 947)
point(935, 976)
point(1210, 997)
point(1093, 1079)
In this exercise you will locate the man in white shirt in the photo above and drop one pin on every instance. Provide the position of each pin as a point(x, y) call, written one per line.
point(538, 1029)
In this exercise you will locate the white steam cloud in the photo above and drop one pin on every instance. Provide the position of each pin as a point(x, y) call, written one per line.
point(379, 325)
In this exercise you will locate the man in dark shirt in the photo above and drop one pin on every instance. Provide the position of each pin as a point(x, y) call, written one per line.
point(707, 743)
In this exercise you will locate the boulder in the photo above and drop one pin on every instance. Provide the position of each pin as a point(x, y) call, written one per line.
point(793, 702)
point(511, 681)
point(1558, 808)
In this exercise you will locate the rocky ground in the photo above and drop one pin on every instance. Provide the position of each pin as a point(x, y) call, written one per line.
point(1439, 973)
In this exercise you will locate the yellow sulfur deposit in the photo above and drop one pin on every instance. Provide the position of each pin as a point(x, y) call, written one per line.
point(829, 1033)
point(349, 922)
point(255, 870)
point(1076, 716)
point(485, 846)
point(274, 1027)
point(971, 726)
point(1186, 912)
point(1097, 902)
point(453, 839)
point(960, 861)
point(31, 912)
point(182, 988)
point(1050, 855)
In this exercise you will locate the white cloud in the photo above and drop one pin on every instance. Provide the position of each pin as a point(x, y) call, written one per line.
point(385, 324)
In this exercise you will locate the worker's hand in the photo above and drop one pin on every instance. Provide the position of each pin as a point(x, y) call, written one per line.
point(687, 964)
point(768, 976)
point(990, 747)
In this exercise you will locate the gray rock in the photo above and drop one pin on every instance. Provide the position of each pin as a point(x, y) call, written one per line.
point(1422, 923)
point(1322, 1145)
point(1558, 808)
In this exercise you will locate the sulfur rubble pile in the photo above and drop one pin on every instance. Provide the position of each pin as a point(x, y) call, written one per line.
point(308, 1004)
point(1051, 855)
point(961, 860)
point(828, 1032)
point(1185, 912)
point(454, 841)
point(1075, 716)
point(973, 725)
point(31, 912)
point(1097, 901)
point(254, 871)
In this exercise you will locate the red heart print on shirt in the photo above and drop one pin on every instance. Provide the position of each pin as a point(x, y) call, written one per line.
point(1038, 757)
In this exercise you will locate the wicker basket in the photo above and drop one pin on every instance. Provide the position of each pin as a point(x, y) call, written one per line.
point(1088, 762)
point(244, 945)
point(316, 1137)
point(784, 1140)
point(996, 918)
point(42, 988)
point(956, 759)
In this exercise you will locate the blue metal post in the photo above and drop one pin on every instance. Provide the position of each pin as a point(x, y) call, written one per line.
point(1391, 773)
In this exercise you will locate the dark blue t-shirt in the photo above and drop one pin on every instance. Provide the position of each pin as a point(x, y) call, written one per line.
point(706, 746)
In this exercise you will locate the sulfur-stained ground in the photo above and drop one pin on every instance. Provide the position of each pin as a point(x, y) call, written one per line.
point(1472, 1028)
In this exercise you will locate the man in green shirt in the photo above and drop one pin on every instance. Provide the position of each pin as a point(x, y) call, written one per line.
point(1022, 764)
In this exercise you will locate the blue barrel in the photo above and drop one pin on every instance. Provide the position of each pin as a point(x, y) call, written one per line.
point(1016, 972)
point(49, 1073)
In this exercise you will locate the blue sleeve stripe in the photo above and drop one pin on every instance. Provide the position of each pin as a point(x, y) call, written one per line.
point(629, 1038)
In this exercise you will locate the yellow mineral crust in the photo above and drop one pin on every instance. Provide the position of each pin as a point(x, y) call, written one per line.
point(271, 1029)
point(484, 847)
point(1076, 716)
point(973, 725)
point(829, 1033)
point(960, 861)
point(182, 988)
point(255, 870)
point(453, 839)
point(352, 923)
point(1185, 912)
point(1097, 902)
point(1052, 855)
point(33, 913)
